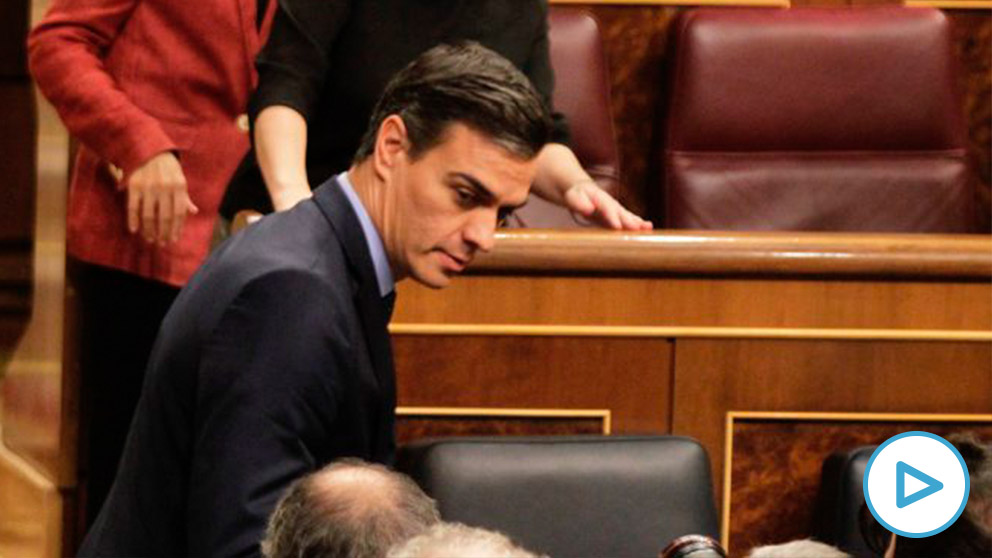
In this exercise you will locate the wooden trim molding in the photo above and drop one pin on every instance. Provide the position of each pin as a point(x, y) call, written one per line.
point(688, 332)
point(546, 252)
point(733, 416)
point(603, 414)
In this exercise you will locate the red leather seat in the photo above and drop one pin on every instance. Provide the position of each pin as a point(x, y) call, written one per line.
point(816, 120)
point(582, 94)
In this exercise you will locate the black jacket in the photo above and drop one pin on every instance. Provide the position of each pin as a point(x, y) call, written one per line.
point(273, 361)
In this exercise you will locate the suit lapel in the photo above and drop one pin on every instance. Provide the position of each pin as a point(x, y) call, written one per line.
point(372, 309)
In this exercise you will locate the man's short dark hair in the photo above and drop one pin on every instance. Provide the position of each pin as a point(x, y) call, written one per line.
point(465, 83)
point(349, 509)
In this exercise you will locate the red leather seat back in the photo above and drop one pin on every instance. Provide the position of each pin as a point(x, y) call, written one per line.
point(582, 94)
point(816, 119)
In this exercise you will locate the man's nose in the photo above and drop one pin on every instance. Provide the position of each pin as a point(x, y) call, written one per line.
point(480, 231)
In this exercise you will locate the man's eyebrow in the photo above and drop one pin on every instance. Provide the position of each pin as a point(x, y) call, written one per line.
point(480, 189)
point(484, 193)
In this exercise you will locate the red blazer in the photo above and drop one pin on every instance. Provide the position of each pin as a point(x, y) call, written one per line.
point(134, 78)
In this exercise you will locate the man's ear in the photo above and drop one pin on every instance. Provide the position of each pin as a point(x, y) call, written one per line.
point(390, 145)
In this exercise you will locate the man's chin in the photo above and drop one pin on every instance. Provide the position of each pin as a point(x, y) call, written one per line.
point(435, 279)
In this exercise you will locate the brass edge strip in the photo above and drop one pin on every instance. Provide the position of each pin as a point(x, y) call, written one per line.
point(950, 4)
point(606, 415)
point(758, 3)
point(728, 455)
point(856, 417)
point(704, 332)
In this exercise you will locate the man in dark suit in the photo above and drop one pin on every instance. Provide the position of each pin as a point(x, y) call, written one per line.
point(275, 358)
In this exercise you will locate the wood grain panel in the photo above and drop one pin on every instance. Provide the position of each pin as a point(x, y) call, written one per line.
point(31, 511)
point(715, 377)
point(409, 429)
point(776, 469)
point(700, 302)
point(973, 46)
point(629, 377)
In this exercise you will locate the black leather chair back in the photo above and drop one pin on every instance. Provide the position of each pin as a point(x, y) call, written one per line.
point(571, 497)
point(840, 499)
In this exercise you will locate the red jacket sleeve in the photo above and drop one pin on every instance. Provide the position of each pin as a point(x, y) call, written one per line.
point(66, 55)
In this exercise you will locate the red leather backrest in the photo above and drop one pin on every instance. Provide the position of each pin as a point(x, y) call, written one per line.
point(815, 79)
point(816, 119)
point(582, 90)
point(582, 94)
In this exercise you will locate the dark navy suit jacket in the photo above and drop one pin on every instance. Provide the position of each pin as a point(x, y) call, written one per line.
point(273, 361)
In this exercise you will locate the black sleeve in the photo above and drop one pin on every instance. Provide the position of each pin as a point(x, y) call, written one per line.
point(269, 384)
point(294, 63)
point(542, 76)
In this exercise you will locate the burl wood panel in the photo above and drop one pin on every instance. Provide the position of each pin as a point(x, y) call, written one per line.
point(635, 39)
point(411, 428)
point(973, 45)
point(630, 377)
point(713, 377)
point(775, 472)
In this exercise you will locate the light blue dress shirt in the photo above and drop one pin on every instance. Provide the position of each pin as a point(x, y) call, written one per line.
point(383, 274)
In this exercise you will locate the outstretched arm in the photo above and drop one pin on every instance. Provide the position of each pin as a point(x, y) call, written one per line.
point(560, 179)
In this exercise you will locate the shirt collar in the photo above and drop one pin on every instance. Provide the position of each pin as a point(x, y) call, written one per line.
point(377, 250)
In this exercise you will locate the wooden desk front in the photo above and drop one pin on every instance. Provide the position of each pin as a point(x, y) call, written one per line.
point(669, 332)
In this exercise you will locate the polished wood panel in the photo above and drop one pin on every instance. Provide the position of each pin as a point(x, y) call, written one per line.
point(776, 467)
point(700, 302)
point(713, 377)
point(30, 511)
point(409, 429)
point(629, 377)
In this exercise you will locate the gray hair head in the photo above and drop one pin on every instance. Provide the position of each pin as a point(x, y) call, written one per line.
point(349, 509)
point(805, 548)
point(450, 540)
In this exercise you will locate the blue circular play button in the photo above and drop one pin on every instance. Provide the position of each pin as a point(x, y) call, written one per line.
point(916, 484)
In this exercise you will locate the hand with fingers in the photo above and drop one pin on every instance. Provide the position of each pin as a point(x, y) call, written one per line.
point(158, 200)
point(594, 203)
